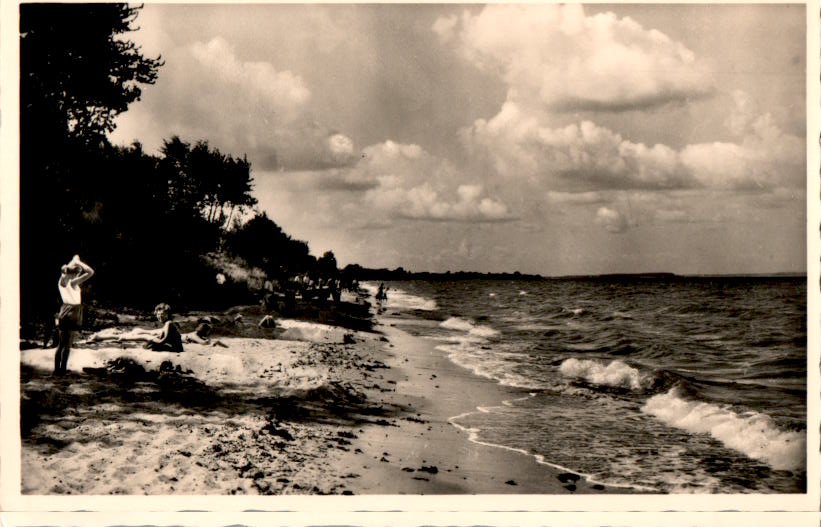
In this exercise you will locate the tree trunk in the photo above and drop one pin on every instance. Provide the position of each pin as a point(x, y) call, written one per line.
point(228, 222)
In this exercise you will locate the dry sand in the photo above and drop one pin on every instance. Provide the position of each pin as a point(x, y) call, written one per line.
point(330, 412)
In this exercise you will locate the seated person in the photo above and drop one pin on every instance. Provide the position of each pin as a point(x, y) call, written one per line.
point(168, 338)
point(268, 322)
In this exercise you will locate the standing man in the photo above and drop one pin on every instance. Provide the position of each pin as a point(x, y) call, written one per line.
point(70, 317)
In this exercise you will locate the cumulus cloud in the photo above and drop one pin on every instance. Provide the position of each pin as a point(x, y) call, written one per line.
point(405, 181)
point(612, 220)
point(563, 59)
point(207, 92)
point(578, 157)
point(586, 157)
point(445, 27)
point(556, 59)
point(393, 181)
point(764, 157)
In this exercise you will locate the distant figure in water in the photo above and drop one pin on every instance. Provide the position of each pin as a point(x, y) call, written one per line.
point(382, 294)
point(168, 338)
point(70, 317)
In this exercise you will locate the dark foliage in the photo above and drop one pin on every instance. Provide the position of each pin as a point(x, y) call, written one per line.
point(143, 222)
point(76, 75)
point(326, 264)
point(262, 243)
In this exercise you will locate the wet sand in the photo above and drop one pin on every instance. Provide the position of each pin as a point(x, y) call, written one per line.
point(423, 453)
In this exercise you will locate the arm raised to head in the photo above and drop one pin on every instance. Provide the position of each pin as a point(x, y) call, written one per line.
point(86, 273)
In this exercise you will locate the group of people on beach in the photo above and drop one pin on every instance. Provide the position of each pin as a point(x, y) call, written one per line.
point(168, 337)
point(70, 318)
point(321, 288)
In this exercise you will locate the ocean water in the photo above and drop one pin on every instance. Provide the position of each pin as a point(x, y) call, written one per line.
point(693, 385)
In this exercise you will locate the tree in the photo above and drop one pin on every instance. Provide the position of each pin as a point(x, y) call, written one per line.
point(326, 264)
point(77, 73)
point(202, 181)
point(262, 243)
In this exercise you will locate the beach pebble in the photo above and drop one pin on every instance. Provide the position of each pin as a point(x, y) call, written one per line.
point(564, 477)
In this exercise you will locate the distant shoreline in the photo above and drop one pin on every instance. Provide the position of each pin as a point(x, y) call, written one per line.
point(400, 274)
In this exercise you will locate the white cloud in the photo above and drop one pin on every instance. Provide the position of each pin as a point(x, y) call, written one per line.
point(258, 82)
point(410, 183)
point(586, 157)
point(556, 59)
point(578, 157)
point(340, 145)
point(612, 220)
point(391, 181)
point(559, 57)
point(765, 157)
point(445, 27)
point(206, 91)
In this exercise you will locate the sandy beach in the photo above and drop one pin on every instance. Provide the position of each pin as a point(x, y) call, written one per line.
point(318, 410)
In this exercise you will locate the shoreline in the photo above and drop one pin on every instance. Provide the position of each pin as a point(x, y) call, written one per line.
point(427, 453)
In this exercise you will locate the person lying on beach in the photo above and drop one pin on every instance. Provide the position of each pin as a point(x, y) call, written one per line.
point(70, 317)
point(201, 335)
point(168, 338)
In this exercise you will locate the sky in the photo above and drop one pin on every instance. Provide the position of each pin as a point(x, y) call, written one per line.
point(549, 139)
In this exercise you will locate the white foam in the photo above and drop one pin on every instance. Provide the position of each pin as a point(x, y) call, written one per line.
point(401, 299)
point(459, 324)
point(536, 326)
point(311, 331)
point(753, 434)
point(617, 373)
point(483, 331)
point(487, 364)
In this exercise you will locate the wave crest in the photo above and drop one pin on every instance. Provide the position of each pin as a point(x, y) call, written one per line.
point(754, 435)
point(616, 374)
point(460, 324)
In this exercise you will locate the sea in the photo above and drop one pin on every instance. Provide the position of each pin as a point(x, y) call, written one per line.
point(661, 384)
